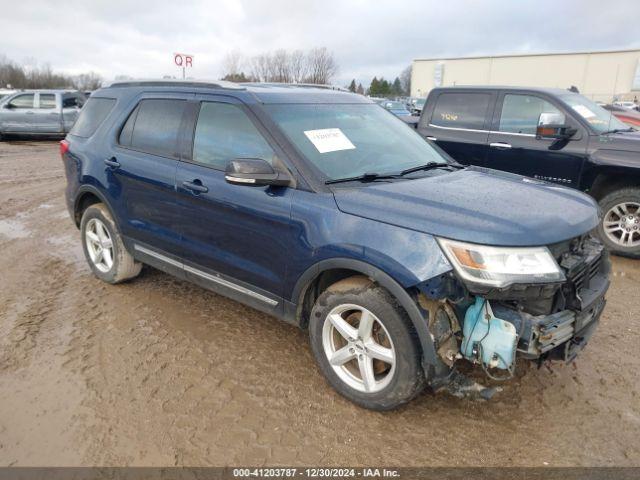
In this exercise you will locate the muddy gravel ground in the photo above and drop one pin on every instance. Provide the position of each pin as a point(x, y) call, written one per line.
point(161, 372)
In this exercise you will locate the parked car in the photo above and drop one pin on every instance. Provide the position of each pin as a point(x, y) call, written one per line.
point(627, 105)
point(5, 91)
point(317, 207)
point(397, 108)
point(549, 134)
point(40, 112)
point(625, 115)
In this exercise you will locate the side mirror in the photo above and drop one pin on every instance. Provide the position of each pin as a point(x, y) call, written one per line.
point(552, 125)
point(254, 172)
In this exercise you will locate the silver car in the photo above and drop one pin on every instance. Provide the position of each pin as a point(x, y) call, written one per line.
point(40, 112)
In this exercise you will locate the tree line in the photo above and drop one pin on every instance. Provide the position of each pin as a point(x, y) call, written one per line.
point(316, 65)
point(379, 87)
point(17, 76)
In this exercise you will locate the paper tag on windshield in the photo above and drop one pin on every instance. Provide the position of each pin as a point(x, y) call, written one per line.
point(329, 140)
point(584, 111)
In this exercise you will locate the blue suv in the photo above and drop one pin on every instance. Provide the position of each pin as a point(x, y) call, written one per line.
point(320, 208)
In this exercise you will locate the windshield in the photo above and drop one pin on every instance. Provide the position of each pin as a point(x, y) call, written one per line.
point(350, 140)
point(600, 119)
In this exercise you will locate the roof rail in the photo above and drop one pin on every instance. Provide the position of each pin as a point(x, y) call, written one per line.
point(296, 85)
point(176, 83)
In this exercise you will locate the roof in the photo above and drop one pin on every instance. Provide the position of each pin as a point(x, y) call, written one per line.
point(548, 90)
point(539, 54)
point(261, 92)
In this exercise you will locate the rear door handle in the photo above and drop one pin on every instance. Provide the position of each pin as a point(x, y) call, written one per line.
point(195, 186)
point(433, 139)
point(500, 145)
point(112, 162)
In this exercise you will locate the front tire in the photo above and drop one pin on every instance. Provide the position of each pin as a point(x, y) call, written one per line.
point(620, 226)
point(365, 345)
point(103, 246)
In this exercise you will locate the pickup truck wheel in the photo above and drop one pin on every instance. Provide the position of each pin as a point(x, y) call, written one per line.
point(365, 345)
point(103, 247)
point(620, 226)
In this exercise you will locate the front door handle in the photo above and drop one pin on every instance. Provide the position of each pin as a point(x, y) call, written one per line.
point(500, 145)
point(195, 186)
point(112, 162)
point(433, 139)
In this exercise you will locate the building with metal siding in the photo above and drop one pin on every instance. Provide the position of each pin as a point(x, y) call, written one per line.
point(602, 75)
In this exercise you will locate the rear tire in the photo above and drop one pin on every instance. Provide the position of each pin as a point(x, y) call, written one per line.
point(365, 345)
point(620, 225)
point(103, 246)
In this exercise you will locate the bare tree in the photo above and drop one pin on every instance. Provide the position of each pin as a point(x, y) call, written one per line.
point(87, 81)
point(298, 66)
point(34, 76)
point(405, 80)
point(322, 66)
point(233, 63)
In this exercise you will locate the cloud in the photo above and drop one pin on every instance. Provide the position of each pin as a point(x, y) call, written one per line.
point(368, 38)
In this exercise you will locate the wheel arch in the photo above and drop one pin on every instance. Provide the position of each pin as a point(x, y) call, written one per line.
point(320, 276)
point(89, 195)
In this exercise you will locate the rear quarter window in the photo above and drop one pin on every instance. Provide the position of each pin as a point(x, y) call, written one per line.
point(92, 116)
point(461, 110)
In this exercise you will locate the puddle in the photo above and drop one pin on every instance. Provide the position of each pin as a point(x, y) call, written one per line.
point(13, 229)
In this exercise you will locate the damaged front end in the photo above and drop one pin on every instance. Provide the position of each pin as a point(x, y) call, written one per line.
point(492, 321)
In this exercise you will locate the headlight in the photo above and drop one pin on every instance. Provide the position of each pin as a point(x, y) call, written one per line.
point(501, 266)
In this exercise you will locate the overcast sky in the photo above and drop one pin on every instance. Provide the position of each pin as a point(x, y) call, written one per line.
point(367, 38)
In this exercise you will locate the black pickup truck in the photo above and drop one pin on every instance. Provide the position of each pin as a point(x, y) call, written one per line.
point(548, 134)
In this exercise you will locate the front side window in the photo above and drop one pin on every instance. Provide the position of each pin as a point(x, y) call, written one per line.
point(224, 132)
point(461, 110)
point(22, 101)
point(344, 141)
point(47, 100)
point(520, 113)
point(600, 119)
point(72, 100)
point(153, 127)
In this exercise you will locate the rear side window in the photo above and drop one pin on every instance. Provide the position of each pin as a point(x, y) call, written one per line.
point(520, 113)
point(153, 127)
point(92, 116)
point(47, 100)
point(461, 110)
point(224, 132)
point(22, 101)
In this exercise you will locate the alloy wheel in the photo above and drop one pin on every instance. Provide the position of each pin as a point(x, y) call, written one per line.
point(359, 348)
point(99, 245)
point(622, 224)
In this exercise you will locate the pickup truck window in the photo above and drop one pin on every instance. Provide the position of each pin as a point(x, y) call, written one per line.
point(22, 101)
point(600, 119)
point(47, 100)
point(72, 100)
point(520, 113)
point(224, 132)
point(461, 110)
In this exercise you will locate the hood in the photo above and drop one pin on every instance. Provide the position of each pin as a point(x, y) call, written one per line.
point(625, 141)
point(476, 205)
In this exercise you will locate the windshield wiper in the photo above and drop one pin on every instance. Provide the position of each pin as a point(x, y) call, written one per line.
point(365, 177)
point(429, 166)
point(618, 130)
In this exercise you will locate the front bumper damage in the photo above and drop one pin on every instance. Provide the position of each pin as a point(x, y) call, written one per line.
point(550, 321)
